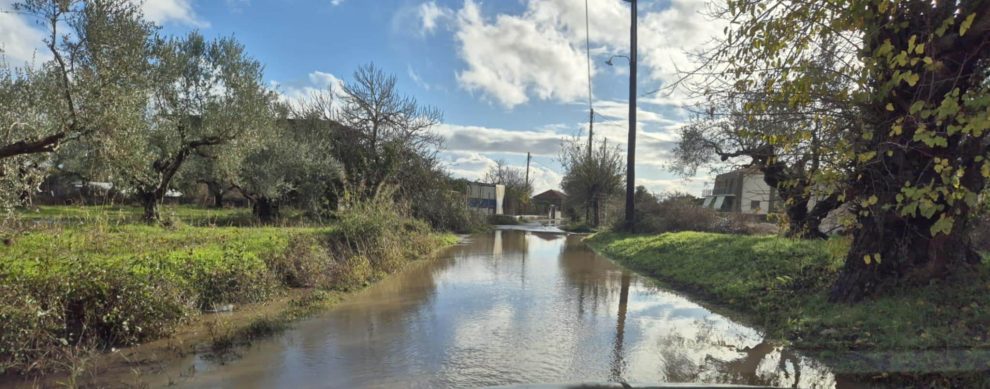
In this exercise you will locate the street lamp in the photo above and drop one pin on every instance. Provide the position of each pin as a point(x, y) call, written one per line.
point(610, 63)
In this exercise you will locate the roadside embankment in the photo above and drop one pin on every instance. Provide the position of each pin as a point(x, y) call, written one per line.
point(781, 285)
point(66, 288)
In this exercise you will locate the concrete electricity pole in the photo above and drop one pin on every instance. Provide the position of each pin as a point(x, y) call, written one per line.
point(631, 153)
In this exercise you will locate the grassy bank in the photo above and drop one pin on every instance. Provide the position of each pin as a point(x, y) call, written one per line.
point(103, 282)
point(781, 285)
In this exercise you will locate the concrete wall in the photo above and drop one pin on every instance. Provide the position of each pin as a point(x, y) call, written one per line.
point(754, 189)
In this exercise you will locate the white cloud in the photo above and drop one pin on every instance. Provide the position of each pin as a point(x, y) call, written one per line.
point(20, 42)
point(316, 82)
point(514, 57)
point(336, 2)
point(473, 165)
point(433, 15)
point(418, 79)
point(172, 11)
point(496, 140)
point(540, 53)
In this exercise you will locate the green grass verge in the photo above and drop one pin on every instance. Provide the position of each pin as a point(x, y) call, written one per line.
point(94, 283)
point(781, 285)
point(116, 215)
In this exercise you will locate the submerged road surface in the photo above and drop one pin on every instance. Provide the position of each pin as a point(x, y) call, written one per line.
point(508, 307)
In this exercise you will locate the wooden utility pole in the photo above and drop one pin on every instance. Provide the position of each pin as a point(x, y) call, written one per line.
point(631, 153)
point(528, 158)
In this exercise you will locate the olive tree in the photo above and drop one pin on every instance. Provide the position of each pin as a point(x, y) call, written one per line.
point(295, 164)
point(92, 89)
point(206, 96)
point(918, 151)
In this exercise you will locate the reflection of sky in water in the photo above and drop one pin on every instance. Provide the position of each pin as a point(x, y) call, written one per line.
point(513, 307)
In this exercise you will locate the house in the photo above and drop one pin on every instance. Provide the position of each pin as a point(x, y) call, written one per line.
point(741, 191)
point(549, 203)
point(485, 198)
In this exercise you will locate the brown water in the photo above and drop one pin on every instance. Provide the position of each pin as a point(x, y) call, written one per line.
point(509, 307)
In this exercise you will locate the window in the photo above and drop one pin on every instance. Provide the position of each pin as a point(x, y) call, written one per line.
point(754, 205)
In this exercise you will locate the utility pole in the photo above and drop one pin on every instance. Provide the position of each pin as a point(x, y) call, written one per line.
point(528, 158)
point(631, 153)
point(591, 132)
point(591, 104)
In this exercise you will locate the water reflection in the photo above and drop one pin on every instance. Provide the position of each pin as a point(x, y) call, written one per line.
point(511, 307)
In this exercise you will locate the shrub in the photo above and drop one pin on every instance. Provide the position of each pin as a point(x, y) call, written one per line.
point(502, 220)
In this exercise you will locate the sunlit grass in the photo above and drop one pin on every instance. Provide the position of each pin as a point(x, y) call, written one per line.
point(782, 285)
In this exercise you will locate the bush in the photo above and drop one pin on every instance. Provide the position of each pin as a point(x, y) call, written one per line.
point(447, 211)
point(675, 212)
point(502, 220)
point(42, 313)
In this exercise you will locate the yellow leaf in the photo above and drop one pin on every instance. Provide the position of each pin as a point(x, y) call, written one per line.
point(912, 78)
point(867, 259)
point(966, 23)
point(890, 107)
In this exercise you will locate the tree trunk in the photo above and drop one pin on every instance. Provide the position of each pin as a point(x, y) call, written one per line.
point(893, 244)
point(907, 253)
point(216, 191)
point(266, 209)
point(803, 223)
point(597, 210)
point(150, 203)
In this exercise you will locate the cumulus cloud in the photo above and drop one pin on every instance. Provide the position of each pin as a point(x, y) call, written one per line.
point(473, 165)
point(317, 82)
point(512, 57)
point(540, 52)
point(172, 11)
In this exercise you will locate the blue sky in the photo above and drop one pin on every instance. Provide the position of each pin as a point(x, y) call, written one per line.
point(510, 75)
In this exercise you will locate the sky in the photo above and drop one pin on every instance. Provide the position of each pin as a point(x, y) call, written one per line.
point(511, 76)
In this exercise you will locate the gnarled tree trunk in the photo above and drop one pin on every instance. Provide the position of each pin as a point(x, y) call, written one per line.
point(150, 202)
point(266, 209)
point(896, 242)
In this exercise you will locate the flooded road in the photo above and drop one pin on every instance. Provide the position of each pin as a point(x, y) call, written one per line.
point(509, 307)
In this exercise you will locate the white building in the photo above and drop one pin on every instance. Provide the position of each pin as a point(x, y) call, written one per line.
point(743, 191)
point(485, 198)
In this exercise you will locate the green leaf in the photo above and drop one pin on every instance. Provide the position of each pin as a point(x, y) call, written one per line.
point(911, 78)
point(966, 24)
point(943, 225)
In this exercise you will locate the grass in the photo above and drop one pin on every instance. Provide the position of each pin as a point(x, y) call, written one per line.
point(89, 215)
point(95, 275)
point(781, 285)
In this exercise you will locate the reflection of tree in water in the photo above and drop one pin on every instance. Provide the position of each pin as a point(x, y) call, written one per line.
point(513, 243)
point(763, 364)
point(593, 279)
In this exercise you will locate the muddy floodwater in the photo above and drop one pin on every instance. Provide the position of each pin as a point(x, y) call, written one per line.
point(504, 308)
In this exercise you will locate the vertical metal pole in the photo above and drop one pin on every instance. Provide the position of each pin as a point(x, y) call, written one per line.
point(631, 154)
